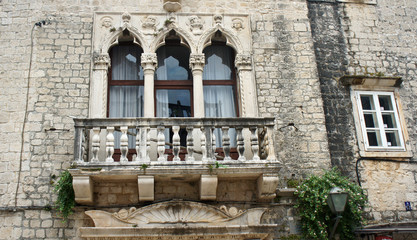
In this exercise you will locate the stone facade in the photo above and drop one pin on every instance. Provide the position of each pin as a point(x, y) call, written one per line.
point(298, 50)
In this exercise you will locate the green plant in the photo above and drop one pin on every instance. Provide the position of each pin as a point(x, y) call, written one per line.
point(291, 237)
point(293, 183)
point(66, 198)
point(316, 217)
point(144, 167)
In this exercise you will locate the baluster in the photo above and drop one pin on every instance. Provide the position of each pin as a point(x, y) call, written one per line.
point(138, 144)
point(176, 143)
point(270, 144)
point(240, 144)
point(263, 143)
point(203, 145)
point(148, 144)
point(190, 144)
point(226, 143)
point(95, 144)
point(254, 143)
point(161, 143)
point(213, 143)
point(84, 145)
point(110, 144)
point(124, 141)
point(78, 144)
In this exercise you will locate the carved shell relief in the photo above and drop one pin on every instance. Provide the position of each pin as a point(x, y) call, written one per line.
point(174, 212)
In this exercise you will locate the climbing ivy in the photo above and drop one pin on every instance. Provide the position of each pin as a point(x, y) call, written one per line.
point(316, 217)
point(66, 198)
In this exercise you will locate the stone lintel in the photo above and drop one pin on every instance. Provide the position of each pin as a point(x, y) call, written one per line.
point(83, 189)
point(146, 186)
point(208, 187)
point(371, 81)
point(267, 185)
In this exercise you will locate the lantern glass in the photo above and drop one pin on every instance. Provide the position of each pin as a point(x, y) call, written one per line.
point(337, 200)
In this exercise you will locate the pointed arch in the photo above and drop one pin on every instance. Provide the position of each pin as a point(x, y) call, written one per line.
point(231, 39)
point(186, 39)
point(112, 40)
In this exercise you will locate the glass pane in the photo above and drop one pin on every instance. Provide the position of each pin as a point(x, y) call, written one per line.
point(367, 102)
point(173, 63)
point(219, 63)
point(389, 121)
point(385, 103)
point(173, 103)
point(126, 101)
point(392, 138)
point(125, 62)
point(370, 120)
point(374, 138)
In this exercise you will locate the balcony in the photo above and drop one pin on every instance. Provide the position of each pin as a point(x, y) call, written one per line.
point(148, 150)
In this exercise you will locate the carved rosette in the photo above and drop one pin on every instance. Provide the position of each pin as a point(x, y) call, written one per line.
point(243, 62)
point(197, 62)
point(101, 61)
point(149, 61)
point(196, 25)
point(149, 25)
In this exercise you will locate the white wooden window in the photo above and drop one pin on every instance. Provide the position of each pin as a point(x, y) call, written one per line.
point(380, 123)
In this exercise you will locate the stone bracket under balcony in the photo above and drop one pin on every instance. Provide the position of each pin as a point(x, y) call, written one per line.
point(263, 174)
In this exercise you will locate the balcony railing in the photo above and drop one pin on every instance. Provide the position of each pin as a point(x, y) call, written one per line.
point(146, 140)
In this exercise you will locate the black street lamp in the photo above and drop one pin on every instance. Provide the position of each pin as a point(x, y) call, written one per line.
point(337, 201)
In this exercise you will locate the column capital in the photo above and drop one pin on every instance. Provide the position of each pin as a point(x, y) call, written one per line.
point(197, 62)
point(243, 62)
point(101, 61)
point(149, 61)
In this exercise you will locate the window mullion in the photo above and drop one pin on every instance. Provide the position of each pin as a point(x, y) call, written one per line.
point(380, 120)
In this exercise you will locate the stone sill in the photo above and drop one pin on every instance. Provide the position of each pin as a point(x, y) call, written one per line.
point(362, 80)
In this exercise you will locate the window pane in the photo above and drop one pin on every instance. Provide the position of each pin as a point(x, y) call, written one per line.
point(173, 103)
point(125, 62)
point(219, 63)
point(367, 102)
point(374, 138)
point(389, 121)
point(126, 101)
point(385, 103)
point(370, 120)
point(173, 63)
point(392, 138)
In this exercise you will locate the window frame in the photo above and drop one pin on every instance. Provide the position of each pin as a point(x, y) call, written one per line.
point(365, 150)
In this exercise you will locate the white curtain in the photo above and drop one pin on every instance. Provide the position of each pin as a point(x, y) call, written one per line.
point(219, 102)
point(126, 63)
point(162, 108)
point(218, 63)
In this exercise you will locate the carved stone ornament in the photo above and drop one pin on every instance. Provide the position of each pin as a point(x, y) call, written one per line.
point(107, 22)
point(218, 19)
point(237, 24)
point(149, 25)
point(197, 61)
point(174, 212)
point(172, 5)
point(196, 25)
point(149, 61)
point(126, 17)
point(243, 62)
point(101, 60)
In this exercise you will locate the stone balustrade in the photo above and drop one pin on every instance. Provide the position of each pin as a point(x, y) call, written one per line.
point(146, 140)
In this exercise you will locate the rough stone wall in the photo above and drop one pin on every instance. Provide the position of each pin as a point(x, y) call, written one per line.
point(382, 39)
point(285, 72)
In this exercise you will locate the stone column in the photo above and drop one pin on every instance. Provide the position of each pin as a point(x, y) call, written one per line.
point(98, 86)
point(246, 86)
point(149, 63)
point(197, 66)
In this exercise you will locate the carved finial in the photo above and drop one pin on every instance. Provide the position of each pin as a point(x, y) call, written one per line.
point(196, 25)
point(218, 18)
point(237, 24)
point(126, 17)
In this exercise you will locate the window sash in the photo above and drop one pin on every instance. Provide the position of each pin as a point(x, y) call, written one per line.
point(381, 131)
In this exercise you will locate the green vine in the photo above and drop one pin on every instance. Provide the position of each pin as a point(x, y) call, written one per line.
point(316, 217)
point(66, 198)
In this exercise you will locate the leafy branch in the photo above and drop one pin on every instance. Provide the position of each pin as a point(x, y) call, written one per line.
point(66, 197)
